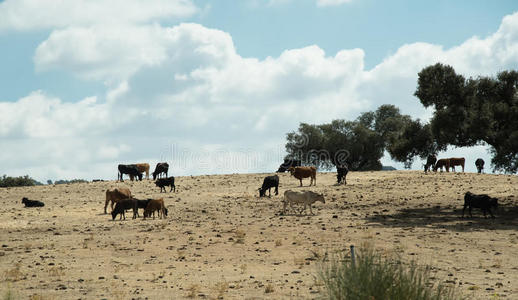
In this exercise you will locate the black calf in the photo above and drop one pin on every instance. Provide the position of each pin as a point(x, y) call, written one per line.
point(32, 203)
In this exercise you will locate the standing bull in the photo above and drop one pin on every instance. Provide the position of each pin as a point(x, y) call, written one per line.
point(479, 163)
point(304, 172)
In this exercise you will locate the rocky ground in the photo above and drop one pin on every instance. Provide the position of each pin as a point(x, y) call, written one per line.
point(221, 241)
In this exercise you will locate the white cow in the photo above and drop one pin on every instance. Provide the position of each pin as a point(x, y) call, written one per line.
point(306, 198)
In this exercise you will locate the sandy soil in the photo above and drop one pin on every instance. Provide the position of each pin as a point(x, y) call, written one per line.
point(221, 241)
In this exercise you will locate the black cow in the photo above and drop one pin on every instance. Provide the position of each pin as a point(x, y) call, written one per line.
point(131, 170)
point(159, 169)
point(483, 202)
point(163, 182)
point(268, 183)
point(122, 206)
point(479, 163)
point(32, 203)
point(430, 162)
point(341, 173)
point(288, 162)
point(141, 204)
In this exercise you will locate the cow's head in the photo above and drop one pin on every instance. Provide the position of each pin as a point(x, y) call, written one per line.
point(261, 192)
point(24, 199)
point(291, 170)
point(114, 214)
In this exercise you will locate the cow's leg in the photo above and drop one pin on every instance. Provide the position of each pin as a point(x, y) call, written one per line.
point(470, 214)
point(315, 181)
point(464, 208)
point(310, 209)
point(301, 182)
point(106, 205)
point(284, 204)
point(277, 190)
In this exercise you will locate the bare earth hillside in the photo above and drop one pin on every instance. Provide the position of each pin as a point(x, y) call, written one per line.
point(221, 241)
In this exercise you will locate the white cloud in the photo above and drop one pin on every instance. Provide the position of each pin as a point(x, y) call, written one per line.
point(187, 86)
point(49, 14)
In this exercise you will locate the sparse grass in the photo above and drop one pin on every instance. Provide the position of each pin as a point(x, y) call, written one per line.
point(220, 289)
point(14, 274)
point(193, 291)
point(9, 294)
point(374, 276)
point(269, 288)
point(278, 243)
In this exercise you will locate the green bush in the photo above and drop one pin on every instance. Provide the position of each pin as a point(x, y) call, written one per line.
point(70, 181)
point(8, 181)
point(373, 276)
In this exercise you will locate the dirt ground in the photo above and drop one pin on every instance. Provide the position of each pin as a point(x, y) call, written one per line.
point(221, 241)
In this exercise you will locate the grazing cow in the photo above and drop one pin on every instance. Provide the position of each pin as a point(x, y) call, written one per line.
point(430, 162)
point(457, 161)
point(115, 195)
point(159, 169)
point(122, 206)
point(143, 168)
point(306, 198)
point(32, 203)
point(131, 170)
point(155, 205)
point(443, 162)
point(482, 201)
point(304, 172)
point(479, 163)
point(268, 183)
point(287, 164)
point(341, 173)
point(163, 182)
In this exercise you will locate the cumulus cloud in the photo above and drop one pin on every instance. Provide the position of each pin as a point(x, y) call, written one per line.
point(186, 86)
point(49, 14)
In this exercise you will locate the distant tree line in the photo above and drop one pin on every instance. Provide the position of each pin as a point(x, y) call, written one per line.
point(62, 181)
point(8, 181)
point(468, 112)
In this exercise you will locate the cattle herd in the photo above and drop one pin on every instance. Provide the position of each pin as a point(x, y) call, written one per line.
point(122, 200)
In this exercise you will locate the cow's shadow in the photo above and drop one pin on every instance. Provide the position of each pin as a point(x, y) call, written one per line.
point(506, 218)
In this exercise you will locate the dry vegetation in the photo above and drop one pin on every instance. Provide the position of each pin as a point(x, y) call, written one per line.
point(221, 241)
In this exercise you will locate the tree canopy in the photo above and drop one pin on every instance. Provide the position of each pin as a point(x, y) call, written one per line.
point(473, 111)
point(467, 112)
point(359, 143)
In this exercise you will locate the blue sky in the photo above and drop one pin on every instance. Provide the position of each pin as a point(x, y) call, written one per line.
point(207, 85)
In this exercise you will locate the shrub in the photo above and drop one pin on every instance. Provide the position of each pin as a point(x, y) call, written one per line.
point(8, 181)
point(373, 276)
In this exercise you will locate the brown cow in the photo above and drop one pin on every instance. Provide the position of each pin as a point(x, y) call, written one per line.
point(155, 205)
point(142, 168)
point(304, 172)
point(457, 161)
point(443, 162)
point(115, 195)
